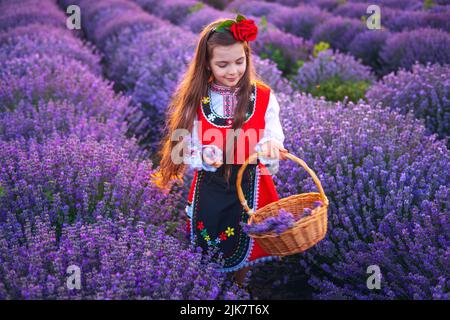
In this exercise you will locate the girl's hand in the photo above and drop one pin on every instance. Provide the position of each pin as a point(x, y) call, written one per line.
point(273, 150)
point(212, 156)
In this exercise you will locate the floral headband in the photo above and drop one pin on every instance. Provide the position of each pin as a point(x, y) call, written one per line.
point(243, 29)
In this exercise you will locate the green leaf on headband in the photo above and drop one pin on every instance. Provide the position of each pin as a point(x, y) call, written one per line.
point(226, 24)
point(240, 17)
point(199, 6)
point(264, 23)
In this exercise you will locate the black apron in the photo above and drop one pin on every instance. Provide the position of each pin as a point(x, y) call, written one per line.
point(217, 213)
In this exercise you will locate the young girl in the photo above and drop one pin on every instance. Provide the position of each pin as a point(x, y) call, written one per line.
point(219, 93)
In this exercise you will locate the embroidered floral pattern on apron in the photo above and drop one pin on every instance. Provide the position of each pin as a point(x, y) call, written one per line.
point(224, 235)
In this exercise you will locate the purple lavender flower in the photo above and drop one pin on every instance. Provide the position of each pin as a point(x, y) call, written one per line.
point(334, 75)
point(352, 9)
point(367, 47)
point(270, 74)
point(423, 91)
point(300, 21)
point(284, 49)
point(15, 14)
point(385, 177)
point(317, 204)
point(40, 121)
point(74, 180)
point(196, 21)
point(173, 10)
point(290, 3)
point(403, 20)
point(74, 188)
point(403, 49)
point(253, 8)
point(107, 20)
point(118, 260)
point(128, 20)
point(278, 224)
point(388, 198)
point(36, 39)
point(58, 78)
point(326, 5)
point(402, 4)
point(306, 212)
point(338, 32)
point(155, 66)
point(98, 13)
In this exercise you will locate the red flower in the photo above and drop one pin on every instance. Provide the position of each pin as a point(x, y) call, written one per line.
point(245, 30)
point(200, 225)
point(223, 236)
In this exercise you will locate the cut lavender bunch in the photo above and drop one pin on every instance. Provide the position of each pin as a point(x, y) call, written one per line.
point(278, 224)
point(317, 204)
point(306, 212)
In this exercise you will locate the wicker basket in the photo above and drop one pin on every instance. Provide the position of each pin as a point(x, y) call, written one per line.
point(306, 232)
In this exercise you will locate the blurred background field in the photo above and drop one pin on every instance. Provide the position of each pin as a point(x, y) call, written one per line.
point(82, 112)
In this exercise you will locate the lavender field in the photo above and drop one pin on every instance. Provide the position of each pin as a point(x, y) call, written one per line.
point(82, 112)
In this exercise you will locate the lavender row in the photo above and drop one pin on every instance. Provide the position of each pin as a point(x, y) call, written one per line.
point(282, 48)
point(393, 157)
point(133, 41)
point(335, 75)
point(117, 259)
point(388, 187)
point(175, 12)
point(63, 95)
point(14, 14)
point(338, 76)
point(39, 39)
point(424, 91)
point(363, 206)
point(66, 167)
point(70, 185)
point(113, 27)
point(342, 28)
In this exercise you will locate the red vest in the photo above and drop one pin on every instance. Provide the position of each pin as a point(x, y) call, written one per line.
point(213, 129)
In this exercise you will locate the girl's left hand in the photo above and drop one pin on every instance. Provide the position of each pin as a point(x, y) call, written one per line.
point(273, 150)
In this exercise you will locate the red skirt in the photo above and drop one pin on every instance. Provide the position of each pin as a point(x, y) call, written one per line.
point(215, 214)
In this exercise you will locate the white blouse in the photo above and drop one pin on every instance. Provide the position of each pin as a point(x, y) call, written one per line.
point(272, 131)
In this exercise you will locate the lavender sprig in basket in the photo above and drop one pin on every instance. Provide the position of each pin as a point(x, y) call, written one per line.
point(278, 224)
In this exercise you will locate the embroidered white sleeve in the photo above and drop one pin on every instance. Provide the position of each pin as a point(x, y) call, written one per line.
point(273, 129)
point(195, 160)
point(194, 156)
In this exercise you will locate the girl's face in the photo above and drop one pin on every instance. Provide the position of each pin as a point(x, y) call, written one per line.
point(228, 64)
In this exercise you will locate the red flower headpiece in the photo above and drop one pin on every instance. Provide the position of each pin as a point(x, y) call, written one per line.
point(243, 29)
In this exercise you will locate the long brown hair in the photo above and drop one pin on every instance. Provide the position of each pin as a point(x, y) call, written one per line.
point(192, 88)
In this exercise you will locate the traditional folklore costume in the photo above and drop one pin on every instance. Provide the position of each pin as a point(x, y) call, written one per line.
point(214, 210)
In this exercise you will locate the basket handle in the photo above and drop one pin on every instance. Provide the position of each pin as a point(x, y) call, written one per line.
point(288, 155)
